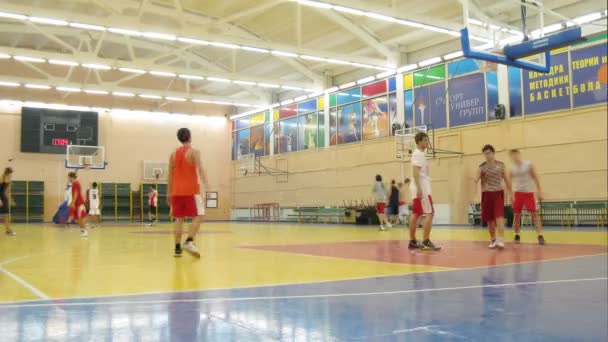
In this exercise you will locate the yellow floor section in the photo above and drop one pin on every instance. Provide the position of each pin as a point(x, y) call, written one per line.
point(113, 261)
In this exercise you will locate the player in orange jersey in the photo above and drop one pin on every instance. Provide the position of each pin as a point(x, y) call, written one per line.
point(184, 190)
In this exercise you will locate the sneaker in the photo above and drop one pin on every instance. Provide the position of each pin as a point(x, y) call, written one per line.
point(500, 245)
point(517, 239)
point(191, 248)
point(427, 245)
point(178, 252)
point(492, 244)
point(382, 228)
point(541, 240)
point(389, 225)
point(84, 233)
point(10, 233)
point(414, 245)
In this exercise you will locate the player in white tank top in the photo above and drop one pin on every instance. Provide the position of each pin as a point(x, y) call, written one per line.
point(525, 183)
point(94, 204)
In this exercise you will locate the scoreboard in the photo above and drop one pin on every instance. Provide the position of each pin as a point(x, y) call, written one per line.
point(50, 131)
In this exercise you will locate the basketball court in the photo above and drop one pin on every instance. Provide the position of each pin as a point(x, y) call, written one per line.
point(297, 107)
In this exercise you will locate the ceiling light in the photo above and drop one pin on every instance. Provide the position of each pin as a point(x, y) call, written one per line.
point(88, 27)
point(96, 66)
point(201, 101)
point(430, 61)
point(317, 94)
point(407, 68)
point(163, 36)
point(96, 92)
point(348, 10)
point(162, 73)
point(12, 16)
point(347, 85)
point(126, 32)
point(337, 61)
point(193, 41)
point(584, 19)
point(268, 85)
point(386, 74)
point(291, 88)
point(331, 90)
point(68, 89)
point(131, 70)
point(366, 80)
point(475, 22)
point(217, 79)
point(224, 45)
point(284, 54)
point(4, 56)
point(313, 58)
point(380, 16)
point(176, 99)
point(244, 82)
point(286, 102)
point(60, 62)
point(408, 23)
point(441, 30)
point(29, 59)
point(153, 97)
point(453, 55)
point(48, 21)
point(122, 94)
point(191, 77)
point(300, 98)
point(254, 49)
point(315, 4)
point(9, 84)
point(37, 86)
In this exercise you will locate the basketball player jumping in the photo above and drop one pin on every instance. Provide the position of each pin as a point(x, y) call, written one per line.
point(184, 191)
point(77, 210)
point(491, 173)
point(5, 201)
point(420, 188)
point(525, 179)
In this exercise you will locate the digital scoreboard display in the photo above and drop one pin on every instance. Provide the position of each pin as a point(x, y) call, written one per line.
point(50, 131)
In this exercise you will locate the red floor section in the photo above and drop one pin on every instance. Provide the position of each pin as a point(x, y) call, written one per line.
point(456, 254)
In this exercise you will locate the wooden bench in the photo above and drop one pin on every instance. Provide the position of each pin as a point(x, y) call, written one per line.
point(318, 214)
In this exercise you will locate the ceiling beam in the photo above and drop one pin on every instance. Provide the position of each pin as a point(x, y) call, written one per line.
point(109, 86)
point(363, 34)
point(141, 63)
point(194, 29)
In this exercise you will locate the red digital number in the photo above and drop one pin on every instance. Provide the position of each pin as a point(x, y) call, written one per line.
point(61, 142)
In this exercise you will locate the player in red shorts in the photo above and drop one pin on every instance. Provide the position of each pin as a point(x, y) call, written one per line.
point(185, 199)
point(420, 188)
point(525, 181)
point(492, 173)
point(78, 212)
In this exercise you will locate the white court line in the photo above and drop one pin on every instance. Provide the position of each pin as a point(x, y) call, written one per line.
point(335, 295)
point(25, 284)
point(380, 276)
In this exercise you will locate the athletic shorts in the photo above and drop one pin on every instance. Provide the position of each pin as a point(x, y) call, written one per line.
point(80, 212)
point(524, 200)
point(94, 212)
point(492, 205)
point(153, 208)
point(424, 205)
point(187, 206)
point(380, 207)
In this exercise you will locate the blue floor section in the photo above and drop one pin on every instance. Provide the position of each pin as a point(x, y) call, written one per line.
point(563, 300)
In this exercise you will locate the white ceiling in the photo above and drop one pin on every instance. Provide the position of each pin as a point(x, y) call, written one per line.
point(271, 24)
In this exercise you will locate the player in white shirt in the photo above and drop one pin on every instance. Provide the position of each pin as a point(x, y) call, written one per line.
point(525, 183)
point(94, 205)
point(420, 187)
